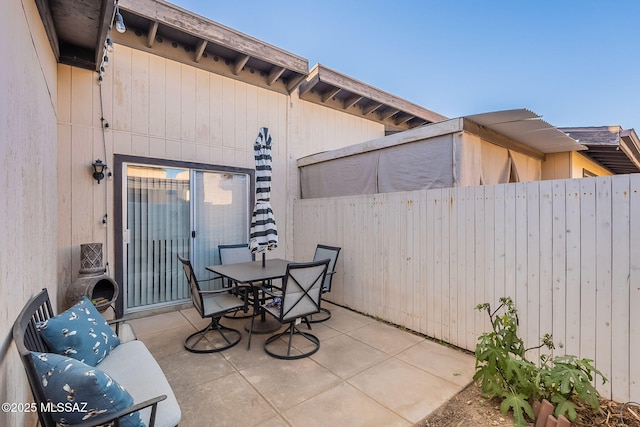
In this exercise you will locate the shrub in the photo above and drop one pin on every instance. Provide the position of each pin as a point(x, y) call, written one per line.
point(504, 371)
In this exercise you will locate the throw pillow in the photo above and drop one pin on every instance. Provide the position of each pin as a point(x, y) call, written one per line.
point(80, 332)
point(78, 392)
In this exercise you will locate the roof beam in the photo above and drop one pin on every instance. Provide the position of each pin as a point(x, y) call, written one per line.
point(239, 63)
point(200, 47)
point(389, 114)
point(371, 108)
point(295, 82)
point(351, 101)
point(274, 75)
point(151, 36)
point(404, 119)
point(330, 94)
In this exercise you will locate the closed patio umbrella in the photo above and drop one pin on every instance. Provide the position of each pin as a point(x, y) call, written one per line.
point(264, 233)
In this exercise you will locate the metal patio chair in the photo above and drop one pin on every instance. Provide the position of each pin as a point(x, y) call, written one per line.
point(322, 252)
point(213, 304)
point(301, 297)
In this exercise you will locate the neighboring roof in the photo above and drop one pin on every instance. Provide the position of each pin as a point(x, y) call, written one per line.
point(340, 92)
point(520, 130)
point(614, 148)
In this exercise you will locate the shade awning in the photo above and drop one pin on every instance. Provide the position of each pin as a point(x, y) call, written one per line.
point(528, 128)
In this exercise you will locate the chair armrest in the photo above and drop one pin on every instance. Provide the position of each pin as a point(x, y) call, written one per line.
point(104, 419)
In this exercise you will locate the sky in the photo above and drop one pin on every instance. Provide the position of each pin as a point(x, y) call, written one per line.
point(573, 62)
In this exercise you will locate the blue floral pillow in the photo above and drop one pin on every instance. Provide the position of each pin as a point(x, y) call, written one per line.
point(78, 392)
point(80, 332)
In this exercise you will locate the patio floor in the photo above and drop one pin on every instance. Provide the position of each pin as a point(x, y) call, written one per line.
point(366, 373)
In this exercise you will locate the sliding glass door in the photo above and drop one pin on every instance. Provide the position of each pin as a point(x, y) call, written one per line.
point(177, 210)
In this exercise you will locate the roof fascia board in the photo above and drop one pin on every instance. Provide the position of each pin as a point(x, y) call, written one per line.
point(47, 20)
point(431, 130)
point(630, 145)
point(107, 13)
point(201, 27)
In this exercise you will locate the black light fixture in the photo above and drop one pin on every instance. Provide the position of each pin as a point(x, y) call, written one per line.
point(98, 170)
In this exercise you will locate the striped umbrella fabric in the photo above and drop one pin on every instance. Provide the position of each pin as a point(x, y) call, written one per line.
point(264, 233)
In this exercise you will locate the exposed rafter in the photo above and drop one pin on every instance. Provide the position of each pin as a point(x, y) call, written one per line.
point(161, 28)
point(330, 94)
point(371, 108)
point(351, 101)
point(335, 90)
point(153, 30)
point(239, 64)
point(274, 75)
point(200, 47)
point(388, 114)
point(403, 120)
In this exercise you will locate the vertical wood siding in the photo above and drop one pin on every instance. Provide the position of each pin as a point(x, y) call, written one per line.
point(566, 251)
point(162, 109)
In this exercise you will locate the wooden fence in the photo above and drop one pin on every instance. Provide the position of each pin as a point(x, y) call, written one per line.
point(566, 251)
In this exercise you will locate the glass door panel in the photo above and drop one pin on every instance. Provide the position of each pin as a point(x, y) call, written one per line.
point(220, 215)
point(157, 218)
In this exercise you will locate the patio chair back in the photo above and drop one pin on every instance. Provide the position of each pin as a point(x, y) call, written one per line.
point(331, 252)
point(233, 254)
point(194, 287)
point(302, 289)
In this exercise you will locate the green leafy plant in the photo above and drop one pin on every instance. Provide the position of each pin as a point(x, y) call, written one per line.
point(504, 371)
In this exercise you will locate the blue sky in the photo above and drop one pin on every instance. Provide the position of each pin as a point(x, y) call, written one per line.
point(574, 62)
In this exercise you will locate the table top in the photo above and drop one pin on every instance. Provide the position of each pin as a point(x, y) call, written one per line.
point(248, 272)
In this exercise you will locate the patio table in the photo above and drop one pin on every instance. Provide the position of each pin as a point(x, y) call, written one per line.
point(254, 274)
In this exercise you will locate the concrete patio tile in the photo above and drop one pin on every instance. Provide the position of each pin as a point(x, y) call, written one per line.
point(402, 388)
point(448, 363)
point(193, 317)
point(166, 342)
point(185, 370)
point(342, 405)
point(158, 323)
point(227, 401)
point(320, 330)
point(385, 338)
point(345, 356)
point(286, 383)
point(277, 421)
point(242, 359)
point(346, 321)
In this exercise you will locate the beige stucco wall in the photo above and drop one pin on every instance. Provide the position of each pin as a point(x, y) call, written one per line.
point(28, 226)
point(163, 109)
point(570, 165)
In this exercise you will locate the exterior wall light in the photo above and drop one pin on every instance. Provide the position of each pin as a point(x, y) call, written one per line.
point(98, 170)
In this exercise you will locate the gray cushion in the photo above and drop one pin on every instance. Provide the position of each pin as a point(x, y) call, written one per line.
point(134, 368)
